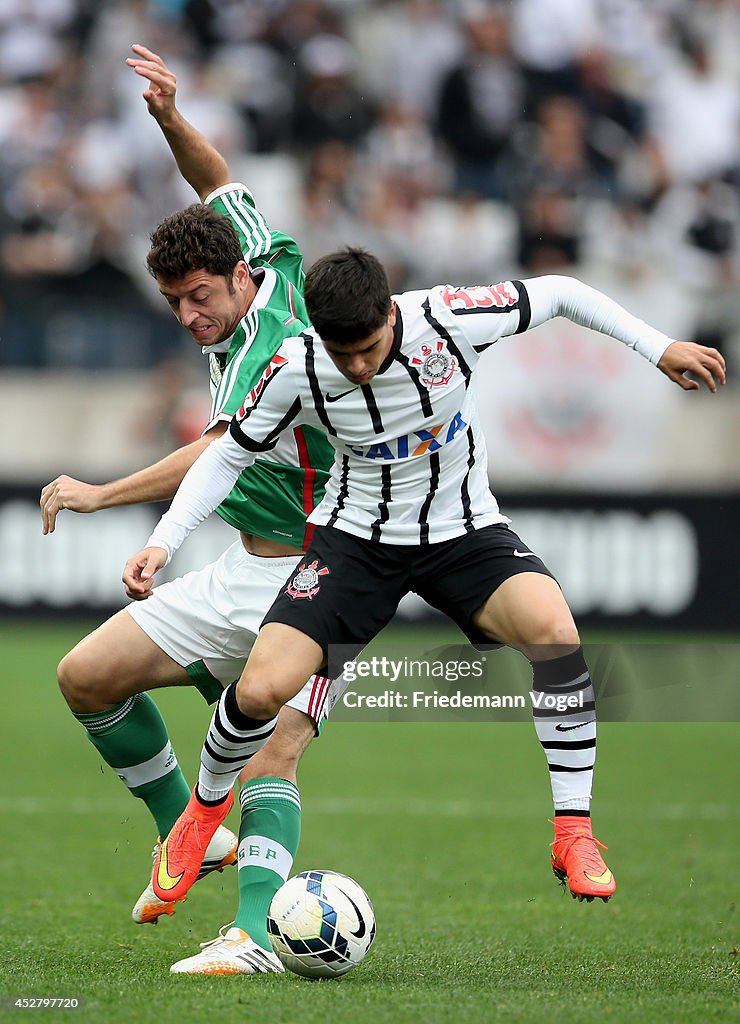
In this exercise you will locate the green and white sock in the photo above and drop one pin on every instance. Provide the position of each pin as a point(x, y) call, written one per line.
point(132, 738)
point(268, 839)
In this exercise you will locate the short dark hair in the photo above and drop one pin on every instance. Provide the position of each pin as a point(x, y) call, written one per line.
point(347, 296)
point(196, 238)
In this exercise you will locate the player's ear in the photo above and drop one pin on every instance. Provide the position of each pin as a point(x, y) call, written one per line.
point(240, 276)
point(392, 314)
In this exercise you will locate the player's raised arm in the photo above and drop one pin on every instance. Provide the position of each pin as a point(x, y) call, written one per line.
point(555, 295)
point(200, 164)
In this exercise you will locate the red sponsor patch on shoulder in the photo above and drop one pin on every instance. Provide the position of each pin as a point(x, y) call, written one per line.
point(479, 297)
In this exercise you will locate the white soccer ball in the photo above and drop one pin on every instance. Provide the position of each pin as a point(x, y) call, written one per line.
point(321, 924)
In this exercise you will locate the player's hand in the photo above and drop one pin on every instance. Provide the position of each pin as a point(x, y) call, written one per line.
point(160, 96)
point(139, 571)
point(706, 364)
point(66, 492)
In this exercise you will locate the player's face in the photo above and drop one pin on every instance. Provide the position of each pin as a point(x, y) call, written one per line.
point(207, 305)
point(361, 361)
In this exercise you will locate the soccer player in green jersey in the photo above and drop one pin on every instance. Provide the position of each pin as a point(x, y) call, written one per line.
point(236, 287)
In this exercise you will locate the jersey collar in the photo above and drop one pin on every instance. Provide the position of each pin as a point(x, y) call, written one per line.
point(265, 278)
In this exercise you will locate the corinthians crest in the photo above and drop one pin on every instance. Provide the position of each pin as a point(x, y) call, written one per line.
point(307, 581)
point(437, 365)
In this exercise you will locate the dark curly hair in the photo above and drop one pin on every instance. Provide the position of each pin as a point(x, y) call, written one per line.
point(197, 238)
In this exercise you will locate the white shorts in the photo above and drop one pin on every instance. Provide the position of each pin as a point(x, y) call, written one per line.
point(208, 620)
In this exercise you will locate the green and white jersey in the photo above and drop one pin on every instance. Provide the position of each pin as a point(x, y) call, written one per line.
point(274, 496)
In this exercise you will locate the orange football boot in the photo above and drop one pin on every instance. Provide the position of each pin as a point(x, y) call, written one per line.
point(576, 859)
point(181, 855)
point(221, 852)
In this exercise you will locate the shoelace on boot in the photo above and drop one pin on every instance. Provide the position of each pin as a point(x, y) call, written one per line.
point(568, 835)
point(221, 937)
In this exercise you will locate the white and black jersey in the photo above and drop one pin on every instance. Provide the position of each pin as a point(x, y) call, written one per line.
point(410, 462)
point(410, 458)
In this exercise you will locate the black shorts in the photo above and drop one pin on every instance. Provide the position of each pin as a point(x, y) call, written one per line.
point(345, 589)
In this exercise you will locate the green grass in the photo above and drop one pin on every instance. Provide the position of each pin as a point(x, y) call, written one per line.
point(444, 825)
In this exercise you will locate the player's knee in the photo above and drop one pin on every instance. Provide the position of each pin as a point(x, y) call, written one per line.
point(83, 683)
point(75, 681)
point(259, 697)
point(552, 638)
point(563, 634)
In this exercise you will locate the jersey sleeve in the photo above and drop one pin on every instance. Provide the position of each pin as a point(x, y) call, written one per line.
point(205, 485)
point(481, 314)
point(262, 336)
point(260, 244)
point(556, 295)
point(485, 313)
point(272, 406)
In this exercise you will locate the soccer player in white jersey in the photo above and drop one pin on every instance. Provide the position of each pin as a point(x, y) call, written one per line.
point(236, 287)
point(407, 507)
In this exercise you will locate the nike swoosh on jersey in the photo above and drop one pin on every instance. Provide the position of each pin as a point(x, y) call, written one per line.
point(335, 398)
point(603, 879)
point(569, 728)
point(164, 879)
point(523, 554)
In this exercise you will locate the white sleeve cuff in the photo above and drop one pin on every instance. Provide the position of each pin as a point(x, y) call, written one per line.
point(231, 186)
point(156, 542)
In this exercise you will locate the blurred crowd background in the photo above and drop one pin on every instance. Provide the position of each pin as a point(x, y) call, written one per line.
point(460, 141)
point(463, 142)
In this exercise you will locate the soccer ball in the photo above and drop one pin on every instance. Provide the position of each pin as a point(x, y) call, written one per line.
point(321, 924)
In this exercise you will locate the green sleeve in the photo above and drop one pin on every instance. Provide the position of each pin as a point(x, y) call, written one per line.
point(260, 245)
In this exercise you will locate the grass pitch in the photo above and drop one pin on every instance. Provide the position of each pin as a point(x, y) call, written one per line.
point(443, 824)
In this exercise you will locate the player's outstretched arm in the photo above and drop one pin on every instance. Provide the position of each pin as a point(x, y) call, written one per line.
point(200, 164)
point(555, 295)
point(706, 364)
point(67, 493)
point(272, 407)
point(158, 482)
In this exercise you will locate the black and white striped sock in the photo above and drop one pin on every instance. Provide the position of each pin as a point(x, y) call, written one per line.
point(232, 739)
point(567, 734)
